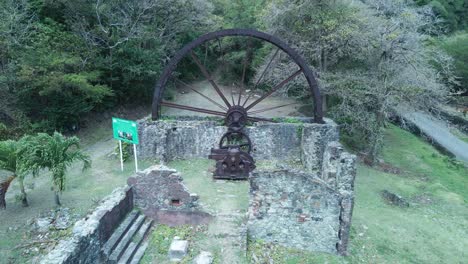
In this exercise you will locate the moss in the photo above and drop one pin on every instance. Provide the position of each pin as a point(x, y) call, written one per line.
point(299, 130)
point(291, 120)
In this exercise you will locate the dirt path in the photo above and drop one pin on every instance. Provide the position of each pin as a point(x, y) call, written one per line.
point(438, 131)
point(185, 96)
point(227, 201)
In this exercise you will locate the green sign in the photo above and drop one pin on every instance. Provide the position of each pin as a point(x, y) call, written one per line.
point(125, 130)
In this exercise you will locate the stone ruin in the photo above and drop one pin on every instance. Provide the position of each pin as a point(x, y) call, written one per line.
point(305, 202)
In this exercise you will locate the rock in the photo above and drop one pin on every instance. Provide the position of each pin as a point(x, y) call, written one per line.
point(62, 220)
point(204, 257)
point(43, 224)
point(194, 197)
point(394, 199)
point(178, 250)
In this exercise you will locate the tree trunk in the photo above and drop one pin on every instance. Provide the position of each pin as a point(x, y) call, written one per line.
point(57, 198)
point(24, 198)
point(377, 138)
point(324, 104)
point(3, 189)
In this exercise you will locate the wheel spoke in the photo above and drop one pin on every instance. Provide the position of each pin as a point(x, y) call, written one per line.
point(209, 78)
point(194, 109)
point(277, 87)
point(271, 108)
point(263, 73)
point(232, 96)
point(204, 96)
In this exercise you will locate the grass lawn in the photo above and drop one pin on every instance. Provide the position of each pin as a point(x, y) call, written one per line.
point(83, 190)
point(434, 229)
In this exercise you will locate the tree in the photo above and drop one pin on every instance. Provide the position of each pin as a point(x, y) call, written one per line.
point(454, 12)
point(54, 81)
point(11, 161)
point(370, 57)
point(457, 46)
point(55, 153)
point(136, 38)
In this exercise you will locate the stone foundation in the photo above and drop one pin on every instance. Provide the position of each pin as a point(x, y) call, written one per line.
point(90, 233)
point(180, 139)
point(161, 194)
point(309, 209)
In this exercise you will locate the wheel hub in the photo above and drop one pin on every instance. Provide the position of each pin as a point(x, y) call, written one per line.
point(236, 118)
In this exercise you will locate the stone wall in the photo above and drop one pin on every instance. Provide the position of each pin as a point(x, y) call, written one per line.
point(181, 139)
point(303, 209)
point(310, 209)
point(89, 234)
point(161, 194)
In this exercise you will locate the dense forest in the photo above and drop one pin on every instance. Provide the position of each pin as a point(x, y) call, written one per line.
point(61, 60)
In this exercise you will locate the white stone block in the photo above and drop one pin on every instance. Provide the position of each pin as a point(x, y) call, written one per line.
point(178, 250)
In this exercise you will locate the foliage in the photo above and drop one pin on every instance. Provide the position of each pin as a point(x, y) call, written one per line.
point(454, 12)
point(13, 160)
point(127, 150)
point(55, 153)
point(238, 56)
point(62, 59)
point(369, 56)
point(457, 47)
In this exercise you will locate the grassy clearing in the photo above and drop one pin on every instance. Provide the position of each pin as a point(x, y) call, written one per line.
point(432, 230)
point(83, 191)
point(215, 196)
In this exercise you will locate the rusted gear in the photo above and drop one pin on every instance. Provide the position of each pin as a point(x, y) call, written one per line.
point(236, 118)
point(236, 139)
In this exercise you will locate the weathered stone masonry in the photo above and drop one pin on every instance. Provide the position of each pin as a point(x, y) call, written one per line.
point(176, 139)
point(90, 233)
point(309, 209)
point(161, 194)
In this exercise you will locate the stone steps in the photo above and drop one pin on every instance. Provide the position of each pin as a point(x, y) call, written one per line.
point(127, 243)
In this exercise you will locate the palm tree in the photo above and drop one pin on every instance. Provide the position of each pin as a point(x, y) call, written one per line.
point(55, 153)
point(11, 161)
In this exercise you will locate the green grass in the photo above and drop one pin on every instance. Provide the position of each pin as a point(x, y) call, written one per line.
point(83, 190)
point(160, 240)
point(427, 232)
point(434, 232)
point(215, 196)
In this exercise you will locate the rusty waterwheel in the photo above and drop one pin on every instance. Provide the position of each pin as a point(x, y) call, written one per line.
point(233, 156)
point(229, 106)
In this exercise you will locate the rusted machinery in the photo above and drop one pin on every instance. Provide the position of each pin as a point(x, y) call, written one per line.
point(233, 159)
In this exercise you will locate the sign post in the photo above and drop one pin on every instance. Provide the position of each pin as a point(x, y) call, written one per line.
point(121, 156)
point(127, 131)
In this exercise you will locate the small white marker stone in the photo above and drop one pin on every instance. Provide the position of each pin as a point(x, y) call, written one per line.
point(178, 249)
